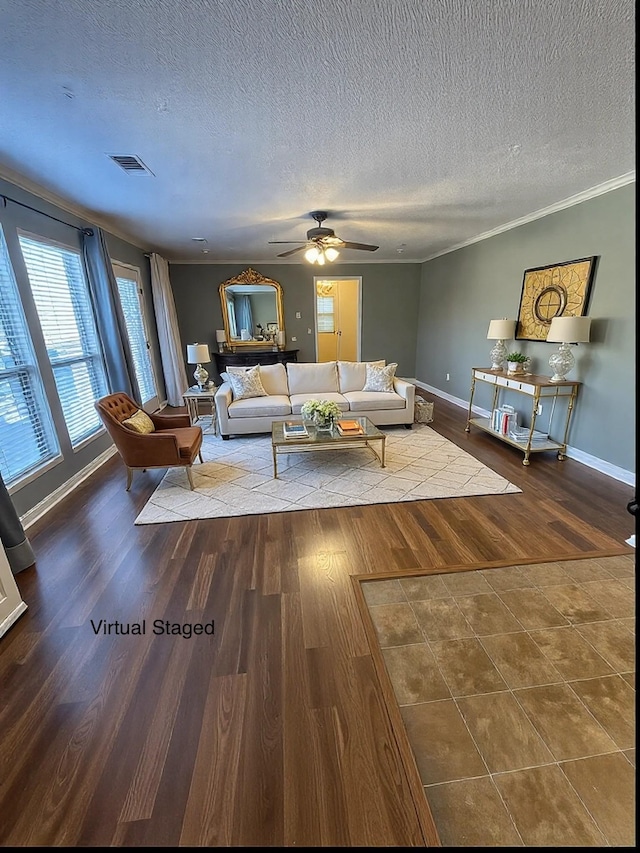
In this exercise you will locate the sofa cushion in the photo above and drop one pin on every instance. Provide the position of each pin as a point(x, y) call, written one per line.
point(260, 407)
point(274, 379)
point(352, 374)
point(369, 401)
point(245, 382)
point(298, 399)
point(189, 440)
point(380, 378)
point(312, 377)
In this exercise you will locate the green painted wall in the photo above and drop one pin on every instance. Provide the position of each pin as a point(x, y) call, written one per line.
point(390, 296)
point(463, 290)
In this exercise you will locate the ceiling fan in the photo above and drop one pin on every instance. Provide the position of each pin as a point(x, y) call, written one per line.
point(321, 243)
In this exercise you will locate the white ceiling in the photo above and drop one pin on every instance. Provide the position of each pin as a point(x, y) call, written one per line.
point(417, 124)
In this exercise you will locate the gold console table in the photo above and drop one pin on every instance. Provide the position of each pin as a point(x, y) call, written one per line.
point(538, 388)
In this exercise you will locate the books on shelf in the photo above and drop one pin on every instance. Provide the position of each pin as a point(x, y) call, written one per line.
point(294, 430)
point(504, 419)
point(522, 434)
point(349, 427)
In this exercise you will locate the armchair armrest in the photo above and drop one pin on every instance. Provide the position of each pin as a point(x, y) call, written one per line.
point(170, 421)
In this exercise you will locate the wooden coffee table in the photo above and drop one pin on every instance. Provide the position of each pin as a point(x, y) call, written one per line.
point(321, 440)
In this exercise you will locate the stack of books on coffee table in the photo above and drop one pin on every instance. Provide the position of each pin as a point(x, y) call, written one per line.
point(347, 427)
point(294, 430)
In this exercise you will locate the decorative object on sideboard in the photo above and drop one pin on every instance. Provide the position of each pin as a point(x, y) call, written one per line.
point(500, 331)
point(221, 339)
point(557, 290)
point(280, 339)
point(566, 331)
point(516, 362)
point(197, 354)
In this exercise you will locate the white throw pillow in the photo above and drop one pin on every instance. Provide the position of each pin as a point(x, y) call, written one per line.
point(380, 378)
point(246, 382)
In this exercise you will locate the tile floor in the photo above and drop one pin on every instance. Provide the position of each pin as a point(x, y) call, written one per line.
point(517, 689)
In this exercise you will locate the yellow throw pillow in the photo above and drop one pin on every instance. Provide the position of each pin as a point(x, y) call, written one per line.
point(140, 422)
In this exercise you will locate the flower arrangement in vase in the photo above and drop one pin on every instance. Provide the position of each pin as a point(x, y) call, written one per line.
point(322, 413)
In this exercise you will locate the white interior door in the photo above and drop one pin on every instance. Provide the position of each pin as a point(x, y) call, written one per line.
point(338, 318)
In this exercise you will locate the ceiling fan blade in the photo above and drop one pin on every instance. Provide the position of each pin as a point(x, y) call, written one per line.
point(363, 246)
point(291, 251)
point(287, 242)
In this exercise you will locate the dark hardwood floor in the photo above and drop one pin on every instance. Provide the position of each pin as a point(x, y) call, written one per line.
point(274, 731)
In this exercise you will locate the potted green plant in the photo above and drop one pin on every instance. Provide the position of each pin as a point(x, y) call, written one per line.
point(323, 413)
point(516, 362)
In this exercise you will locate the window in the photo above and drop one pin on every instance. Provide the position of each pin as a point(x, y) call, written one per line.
point(132, 306)
point(62, 299)
point(325, 312)
point(27, 438)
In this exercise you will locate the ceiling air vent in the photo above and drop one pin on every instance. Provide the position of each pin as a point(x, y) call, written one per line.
point(131, 164)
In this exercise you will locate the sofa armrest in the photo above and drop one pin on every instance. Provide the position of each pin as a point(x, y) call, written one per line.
point(405, 389)
point(224, 398)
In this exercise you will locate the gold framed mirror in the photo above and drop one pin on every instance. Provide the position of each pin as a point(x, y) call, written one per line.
point(252, 311)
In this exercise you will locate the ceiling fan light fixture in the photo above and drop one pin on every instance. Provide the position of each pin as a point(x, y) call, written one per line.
point(331, 254)
point(312, 254)
point(320, 259)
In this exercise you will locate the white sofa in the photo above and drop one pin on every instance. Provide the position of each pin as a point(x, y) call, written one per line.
point(289, 386)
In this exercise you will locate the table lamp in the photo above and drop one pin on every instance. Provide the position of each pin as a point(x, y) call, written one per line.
point(565, 331)
point(196, 354)
point(221, 339)
point(500, 331)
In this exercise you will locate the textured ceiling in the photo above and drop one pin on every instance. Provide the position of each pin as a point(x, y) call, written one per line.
point(417, 124)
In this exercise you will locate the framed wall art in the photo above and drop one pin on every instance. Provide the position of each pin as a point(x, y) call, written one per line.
point(558, 290)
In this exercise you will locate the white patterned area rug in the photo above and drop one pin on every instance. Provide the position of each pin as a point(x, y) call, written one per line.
point(236, 477)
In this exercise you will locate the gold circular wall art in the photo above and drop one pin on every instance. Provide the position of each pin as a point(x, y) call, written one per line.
point(553, 291)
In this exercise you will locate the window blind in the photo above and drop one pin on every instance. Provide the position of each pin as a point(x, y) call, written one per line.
point(27, 438)
point(129, 298)
point(63, 302)
point(325, 313)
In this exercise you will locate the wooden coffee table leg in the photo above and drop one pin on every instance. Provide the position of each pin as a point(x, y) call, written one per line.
point(275, 462)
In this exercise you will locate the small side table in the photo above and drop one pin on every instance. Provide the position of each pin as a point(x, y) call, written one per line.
point(191, 399)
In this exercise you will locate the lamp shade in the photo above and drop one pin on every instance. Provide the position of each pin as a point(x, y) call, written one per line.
point(501, 330)
point(569, 330)
point(221, 337)
point(198, 354)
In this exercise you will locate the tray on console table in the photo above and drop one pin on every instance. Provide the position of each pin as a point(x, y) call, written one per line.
point(537, 388)
point(253, 357)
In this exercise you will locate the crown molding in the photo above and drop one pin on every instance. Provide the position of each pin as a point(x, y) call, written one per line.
point(40, 192)
point(601, 189)
point(236, 262)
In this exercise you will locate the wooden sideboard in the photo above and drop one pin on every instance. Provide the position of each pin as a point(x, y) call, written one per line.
point(251, 357)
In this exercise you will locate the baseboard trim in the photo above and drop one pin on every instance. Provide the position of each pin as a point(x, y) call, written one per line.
point(613, 471)
point(35, 513)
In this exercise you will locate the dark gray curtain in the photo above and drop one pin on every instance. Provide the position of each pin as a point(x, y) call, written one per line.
point(109, 316)
point(19, 552)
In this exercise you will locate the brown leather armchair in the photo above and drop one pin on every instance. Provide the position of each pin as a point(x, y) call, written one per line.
point(175, 443)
